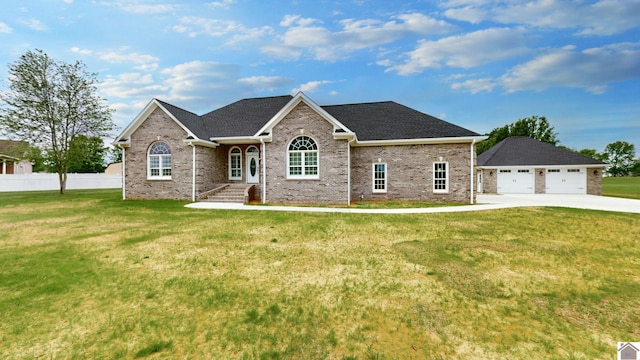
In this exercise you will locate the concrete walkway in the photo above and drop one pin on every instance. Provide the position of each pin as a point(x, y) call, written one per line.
point(484, 202)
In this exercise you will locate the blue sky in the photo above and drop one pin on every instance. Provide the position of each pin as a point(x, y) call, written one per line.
point(480, 64)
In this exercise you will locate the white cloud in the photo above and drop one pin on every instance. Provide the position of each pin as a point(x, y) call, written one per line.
point(311, 86)
point(305, 35)
point(141, 61)
point(198, 83)
point(34, 24)
point(77, 50)
point(5, 29)
point(265, 83)
point(223, 4)
point(591, 69)
point(470, 14)
point(464, 51)
point(603, 17)
point(137, 8)
point(290, 20)
point(131, 85)
point(194, 26)
point(475, 86)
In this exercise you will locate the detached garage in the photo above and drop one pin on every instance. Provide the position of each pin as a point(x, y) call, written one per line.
point(522, 165)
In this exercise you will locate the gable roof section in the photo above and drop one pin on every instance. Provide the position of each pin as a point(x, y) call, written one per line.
point(243, 118)
point(295, 101)
point(392, 121)
point(182, 118)
point(526, 151)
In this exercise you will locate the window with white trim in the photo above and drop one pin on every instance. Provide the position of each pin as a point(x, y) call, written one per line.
point(235, 164)
point(159, 161)
point(302, 158)
point(379, 178)
point(440, 177)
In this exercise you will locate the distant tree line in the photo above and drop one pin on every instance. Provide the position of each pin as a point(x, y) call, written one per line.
point(619, 155)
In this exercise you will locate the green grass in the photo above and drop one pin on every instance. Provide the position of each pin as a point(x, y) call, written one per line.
point(627, 187)
point(87, 275)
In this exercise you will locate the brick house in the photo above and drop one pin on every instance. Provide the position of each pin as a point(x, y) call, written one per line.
point(522, 165)
point(290, 150)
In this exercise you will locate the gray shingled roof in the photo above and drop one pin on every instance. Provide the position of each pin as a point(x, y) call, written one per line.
point(370, 121)
point(244, 117)
point(389, 121)
point(525, 151)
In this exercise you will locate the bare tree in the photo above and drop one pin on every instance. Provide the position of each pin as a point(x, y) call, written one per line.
point(49, 104)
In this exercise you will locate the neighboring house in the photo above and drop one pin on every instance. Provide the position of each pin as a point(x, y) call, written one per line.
point(113, 168)
point(522, 165)
point(12, 157)
point(289, 150)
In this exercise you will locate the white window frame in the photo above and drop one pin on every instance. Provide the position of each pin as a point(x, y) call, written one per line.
point(437, 179)
point(162, 160)
point(383, 178)
point(238, 169)
point(303, 160)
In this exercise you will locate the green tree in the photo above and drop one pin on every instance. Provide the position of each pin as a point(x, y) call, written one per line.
point(86, 155)
point(620, 156)
point(50, 103)
point(115, 154)
point(536, 127)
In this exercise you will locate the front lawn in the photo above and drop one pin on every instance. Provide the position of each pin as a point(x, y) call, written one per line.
point(87, 275)
point(627, 187)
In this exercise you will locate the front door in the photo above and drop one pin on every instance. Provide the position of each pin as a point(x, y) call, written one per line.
point(253, 165)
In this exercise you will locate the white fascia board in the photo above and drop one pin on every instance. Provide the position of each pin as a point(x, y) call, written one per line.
point(235, 140)
point(345, 136)
point(140, 118)
point(447, 140)
point(297, 99)
point(200, 142)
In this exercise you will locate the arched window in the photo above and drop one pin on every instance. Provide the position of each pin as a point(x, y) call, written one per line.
point(159, 160)
point(302, 158)
point(235, 164)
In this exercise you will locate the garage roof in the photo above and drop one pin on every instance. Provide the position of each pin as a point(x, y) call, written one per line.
point(525, 151)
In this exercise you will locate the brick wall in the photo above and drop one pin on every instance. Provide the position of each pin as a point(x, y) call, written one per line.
point(540, 180)
point(158, 126)
point(410, 172)
point(489, 181)
point(331, 187)
point(594, 181)
point(206, 171)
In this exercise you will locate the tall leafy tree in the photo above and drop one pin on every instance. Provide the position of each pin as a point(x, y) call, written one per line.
point(620, 157)
point(50, 103)
point(536, 127)
point(86, 154)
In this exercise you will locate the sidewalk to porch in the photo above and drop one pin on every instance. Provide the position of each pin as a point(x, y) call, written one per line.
point(484, 202)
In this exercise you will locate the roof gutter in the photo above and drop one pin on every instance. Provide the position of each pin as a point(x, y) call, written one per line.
point(420, 141)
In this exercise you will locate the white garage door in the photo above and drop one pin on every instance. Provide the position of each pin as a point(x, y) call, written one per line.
point(566, 181)
point(515, 181)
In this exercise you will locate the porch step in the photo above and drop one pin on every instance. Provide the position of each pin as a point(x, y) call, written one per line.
point(229, 193)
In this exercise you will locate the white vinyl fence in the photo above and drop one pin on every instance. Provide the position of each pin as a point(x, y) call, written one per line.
point(31, 182)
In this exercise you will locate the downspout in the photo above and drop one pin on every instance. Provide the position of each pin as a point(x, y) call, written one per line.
point(349, 170)
point(473, 175)
point(193, 174)
point(263, 160)
point(124, 173)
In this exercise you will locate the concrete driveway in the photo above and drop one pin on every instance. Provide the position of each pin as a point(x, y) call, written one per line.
point(484, 202)
point(590, 202)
